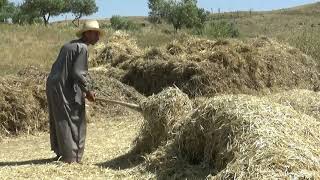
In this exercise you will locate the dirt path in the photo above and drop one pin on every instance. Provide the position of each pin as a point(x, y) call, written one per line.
point(108, 142)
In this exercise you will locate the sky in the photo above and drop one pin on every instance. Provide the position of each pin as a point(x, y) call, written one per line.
point(108, 8)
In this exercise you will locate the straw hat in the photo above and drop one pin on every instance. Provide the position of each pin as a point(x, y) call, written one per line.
point(91, 25)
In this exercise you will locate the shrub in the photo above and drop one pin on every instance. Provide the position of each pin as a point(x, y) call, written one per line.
point(220, 29)
point(121, 23)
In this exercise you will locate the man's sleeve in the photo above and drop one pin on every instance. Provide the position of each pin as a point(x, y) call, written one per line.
point(80, 70)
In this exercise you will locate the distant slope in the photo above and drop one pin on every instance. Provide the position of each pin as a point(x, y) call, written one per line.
point(308, 9)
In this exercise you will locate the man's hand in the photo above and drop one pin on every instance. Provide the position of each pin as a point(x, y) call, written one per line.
point(90, 96)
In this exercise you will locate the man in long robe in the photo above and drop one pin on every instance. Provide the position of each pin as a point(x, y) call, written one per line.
point(67, 88)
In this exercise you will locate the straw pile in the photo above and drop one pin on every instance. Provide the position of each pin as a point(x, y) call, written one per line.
point(112, 89)
point(95, 53)
point(37, 77)
point(163, 114)
point(206, 68)
point(34, 73)
point(22, 106)
point(120, 48)
point(202, 67)
point(301, 100)
point(245, 137)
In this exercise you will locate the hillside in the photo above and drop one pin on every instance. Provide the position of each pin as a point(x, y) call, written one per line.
point(309, 9)
point(298, 26)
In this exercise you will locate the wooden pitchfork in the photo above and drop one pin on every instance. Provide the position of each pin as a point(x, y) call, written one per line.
point(135, 107)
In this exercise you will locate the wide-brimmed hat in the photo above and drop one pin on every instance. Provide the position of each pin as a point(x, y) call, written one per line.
point(91, 25)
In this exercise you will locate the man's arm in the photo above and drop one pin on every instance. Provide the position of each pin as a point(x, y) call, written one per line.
point(80, 73)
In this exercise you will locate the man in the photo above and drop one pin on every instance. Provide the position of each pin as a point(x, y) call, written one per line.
point(67, 88)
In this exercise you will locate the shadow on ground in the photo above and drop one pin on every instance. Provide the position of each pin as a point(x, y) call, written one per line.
point(126, 161)
point(171, 169)
point(29, 162)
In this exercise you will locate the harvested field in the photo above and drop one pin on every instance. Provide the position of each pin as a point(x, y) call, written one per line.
point(202, 67)
point(239, 109)
point(29, 157)
point(228, 136)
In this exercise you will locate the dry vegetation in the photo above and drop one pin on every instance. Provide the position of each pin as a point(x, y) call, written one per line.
point(243, 108)
point(29, 45)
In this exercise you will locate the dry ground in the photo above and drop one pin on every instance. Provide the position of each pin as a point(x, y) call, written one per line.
point(106, 154)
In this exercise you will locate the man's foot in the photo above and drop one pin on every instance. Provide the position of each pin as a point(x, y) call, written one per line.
point(69, 160)
point(80, 162)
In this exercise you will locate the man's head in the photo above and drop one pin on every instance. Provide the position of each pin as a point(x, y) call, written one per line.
point(90, 32)
point(91, 37)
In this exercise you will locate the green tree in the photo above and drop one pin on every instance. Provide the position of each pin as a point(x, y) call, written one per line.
point(185, 13)
point(118, 22)
point(82, 8)
point(179, 13)
point(44, 8)
point(22, 17)
point(176, 15)
point(157, 10)
point(203, 17)
point(7, 9)
point(3, 2)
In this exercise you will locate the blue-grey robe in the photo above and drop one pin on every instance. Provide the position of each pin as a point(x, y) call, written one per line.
point(66, 84)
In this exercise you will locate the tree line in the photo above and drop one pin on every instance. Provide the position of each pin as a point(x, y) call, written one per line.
point(31, 11)
point(179, 13)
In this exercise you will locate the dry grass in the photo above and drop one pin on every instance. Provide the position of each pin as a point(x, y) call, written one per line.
point(31, 45)
point(298, 29)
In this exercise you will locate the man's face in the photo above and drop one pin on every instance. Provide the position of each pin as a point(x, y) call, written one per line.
point(92, 37)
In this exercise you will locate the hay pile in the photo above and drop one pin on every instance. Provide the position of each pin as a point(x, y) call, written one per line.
point(95, 52)
point(112, 89)
point(120, 48)
point(202, 67)
point(22, 106)
point(163, 114)
point(244, 137)
point(34, 73)
point(301, 100)
point(37, 77)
